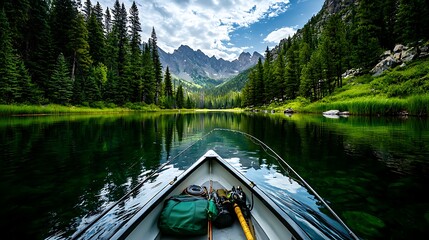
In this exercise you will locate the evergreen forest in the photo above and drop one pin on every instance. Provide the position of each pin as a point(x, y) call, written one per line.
point(76, 53)
point(310, 64)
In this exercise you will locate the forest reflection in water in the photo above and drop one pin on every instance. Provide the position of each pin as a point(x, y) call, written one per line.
point(58, 170)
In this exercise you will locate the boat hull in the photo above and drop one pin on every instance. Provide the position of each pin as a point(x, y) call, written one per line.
point(269, 221)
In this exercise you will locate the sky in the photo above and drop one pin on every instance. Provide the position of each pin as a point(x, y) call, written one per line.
point(221, 28)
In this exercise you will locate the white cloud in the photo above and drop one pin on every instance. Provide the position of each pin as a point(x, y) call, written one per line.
point(201, 24)
point(279, 34)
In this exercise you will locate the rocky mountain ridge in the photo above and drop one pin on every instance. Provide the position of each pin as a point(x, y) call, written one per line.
point(195, 66)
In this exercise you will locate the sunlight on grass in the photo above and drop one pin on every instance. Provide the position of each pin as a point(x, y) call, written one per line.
point(53, 109)
point(399, 91)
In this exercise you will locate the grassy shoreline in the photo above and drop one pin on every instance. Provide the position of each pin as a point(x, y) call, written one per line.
point(399, 91)
point(54, 109)
point(416, 105)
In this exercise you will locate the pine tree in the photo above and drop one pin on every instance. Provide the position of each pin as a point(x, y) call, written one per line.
point(120, 25)
point(107, 22)
point(29, 93)
point(18, 17)
point(9, 86)
point(91, 91)
point(412, 21)
point(60, 86)
point(135, 29)
point(123, 90)
point(311, 77)
point(117, 87)
point(188, 103)
point(388, 38)
point(95, 39)
point(168, 85)
point(136, 58)
point(278, 84)
point(98, 12)
point(156, 65)
point(366, 31)
point(116, 12)
point(168, 97)
point(40, 60)
point(180, 97)
point(81, 59)
point(249, 90)
point(259, 84)
point(63, 15)
point(111, 51)
point(333, 47)
point(269, 91)
point(292, 74)
point(148, 76)
point(87, 10)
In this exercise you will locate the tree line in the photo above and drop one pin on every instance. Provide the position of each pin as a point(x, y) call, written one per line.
point(311, 63)
point(70, 52)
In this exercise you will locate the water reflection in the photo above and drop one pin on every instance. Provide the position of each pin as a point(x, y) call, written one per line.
point(63, 171)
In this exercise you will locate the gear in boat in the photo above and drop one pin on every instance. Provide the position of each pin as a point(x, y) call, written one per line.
point(196, 210)
point(263, 219)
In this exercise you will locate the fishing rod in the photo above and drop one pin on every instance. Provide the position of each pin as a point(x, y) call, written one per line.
point(277, 157)
point(108, 209)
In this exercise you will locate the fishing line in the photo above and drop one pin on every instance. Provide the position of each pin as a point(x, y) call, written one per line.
point(78, 234)
point(253, 139)
point(277, 157)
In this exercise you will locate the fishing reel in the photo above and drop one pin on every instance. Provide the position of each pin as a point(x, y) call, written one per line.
point(238, 196)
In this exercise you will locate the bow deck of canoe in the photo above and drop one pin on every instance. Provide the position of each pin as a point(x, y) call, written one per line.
point(269, 221)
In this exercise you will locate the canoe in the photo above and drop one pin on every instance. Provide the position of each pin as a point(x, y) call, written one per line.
point(266, 221)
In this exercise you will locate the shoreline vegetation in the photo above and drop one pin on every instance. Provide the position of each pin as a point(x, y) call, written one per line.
point(416, 105)
point(55, 109)
point(400, 91)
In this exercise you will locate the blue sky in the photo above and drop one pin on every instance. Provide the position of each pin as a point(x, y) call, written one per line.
point(223, 28)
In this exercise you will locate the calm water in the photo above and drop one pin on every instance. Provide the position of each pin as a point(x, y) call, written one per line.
point(59, 173)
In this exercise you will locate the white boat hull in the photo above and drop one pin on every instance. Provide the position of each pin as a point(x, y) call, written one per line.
point(269, 221)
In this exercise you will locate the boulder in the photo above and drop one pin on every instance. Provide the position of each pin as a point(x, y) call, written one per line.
point(351, 72)
point(289, 110)
point(398, 48)
point(409, 55)
point(332, 112)
point(385, 64)
point(400, 55)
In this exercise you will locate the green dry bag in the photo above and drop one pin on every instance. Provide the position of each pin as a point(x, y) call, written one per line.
point(184, 215)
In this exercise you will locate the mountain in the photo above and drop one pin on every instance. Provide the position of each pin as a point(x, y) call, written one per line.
point(234, 84)
point(195, 66)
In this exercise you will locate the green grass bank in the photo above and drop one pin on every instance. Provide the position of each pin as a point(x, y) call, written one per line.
point(400, 91)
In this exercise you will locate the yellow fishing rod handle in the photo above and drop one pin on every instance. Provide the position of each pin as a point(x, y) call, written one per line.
point(243, 222)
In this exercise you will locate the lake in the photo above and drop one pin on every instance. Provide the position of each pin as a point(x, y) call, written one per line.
point(59, 173)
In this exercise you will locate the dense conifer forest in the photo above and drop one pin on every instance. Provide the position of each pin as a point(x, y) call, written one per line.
point(76, 53)
point(311, 63)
